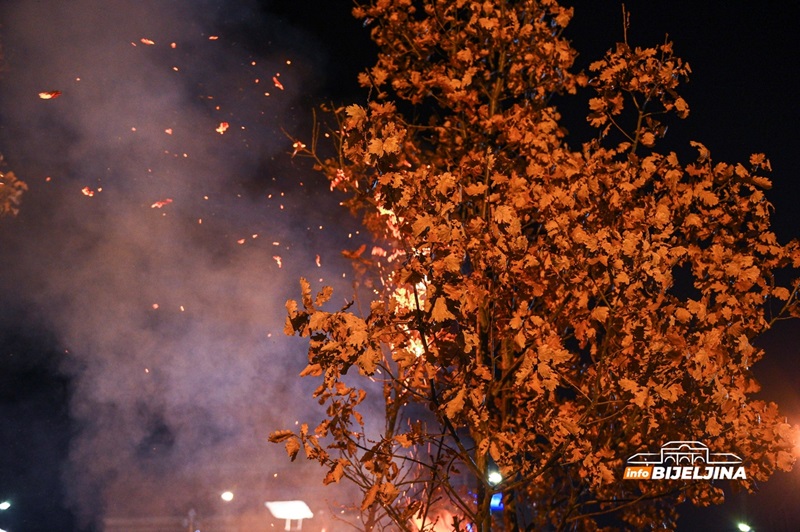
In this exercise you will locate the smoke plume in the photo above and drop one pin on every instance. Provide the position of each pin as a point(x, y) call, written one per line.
point(165, 227)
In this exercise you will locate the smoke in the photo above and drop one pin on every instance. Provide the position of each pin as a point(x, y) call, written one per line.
point(159, 250)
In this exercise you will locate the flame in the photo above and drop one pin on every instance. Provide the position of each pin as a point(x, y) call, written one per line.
point(406, 298)
point(87, 191)
point(277, 82)
point(222, 128)
point(148, 42)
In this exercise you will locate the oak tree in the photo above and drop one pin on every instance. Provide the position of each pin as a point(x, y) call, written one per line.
point(542, 309)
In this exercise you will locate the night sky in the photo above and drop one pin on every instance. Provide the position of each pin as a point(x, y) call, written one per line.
point(142, 359)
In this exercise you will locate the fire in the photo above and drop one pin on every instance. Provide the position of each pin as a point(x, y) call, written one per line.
point(49, 95)
point(148, 42)
point(87, 191)
point(408, 298)
point(277, 259)
point(277, 82)
point(222, 128)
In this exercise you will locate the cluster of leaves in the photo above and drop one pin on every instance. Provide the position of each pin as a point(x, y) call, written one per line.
point(11, 190)
point(549, 311)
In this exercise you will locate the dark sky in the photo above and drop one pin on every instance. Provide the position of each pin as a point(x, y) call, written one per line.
point(140, 347)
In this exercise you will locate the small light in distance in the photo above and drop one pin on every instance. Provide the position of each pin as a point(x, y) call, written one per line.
point(226, 496)
point(5, 505)
point(744, 527)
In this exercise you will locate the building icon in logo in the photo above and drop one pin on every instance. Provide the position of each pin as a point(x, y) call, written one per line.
point(684, 460)
point(684, 453)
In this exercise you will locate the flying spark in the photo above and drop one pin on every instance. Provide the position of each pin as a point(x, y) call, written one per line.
point(159, 204)
point(49, 95)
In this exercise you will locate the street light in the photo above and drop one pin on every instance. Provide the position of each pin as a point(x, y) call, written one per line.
point(290, 511)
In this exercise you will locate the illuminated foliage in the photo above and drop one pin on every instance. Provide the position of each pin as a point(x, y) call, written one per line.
point(11, 190)
point(543, 311)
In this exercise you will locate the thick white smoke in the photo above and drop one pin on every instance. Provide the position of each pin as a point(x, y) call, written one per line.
point(160, 250)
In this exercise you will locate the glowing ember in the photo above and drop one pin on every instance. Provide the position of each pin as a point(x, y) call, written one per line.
point(240, 241)
point(277, 259)
point(168, 131)
point(159, 204)
point(148, 42)
point(87, 191)
point(277, 82)
point(222, 128)
point(318, 262)
point(213, 37)
point(49, 95)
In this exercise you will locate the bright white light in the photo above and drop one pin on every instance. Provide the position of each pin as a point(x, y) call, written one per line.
point(227, 496)
point(5, 505)
point(294, 510)
point(744, 527)
point(495, 478)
